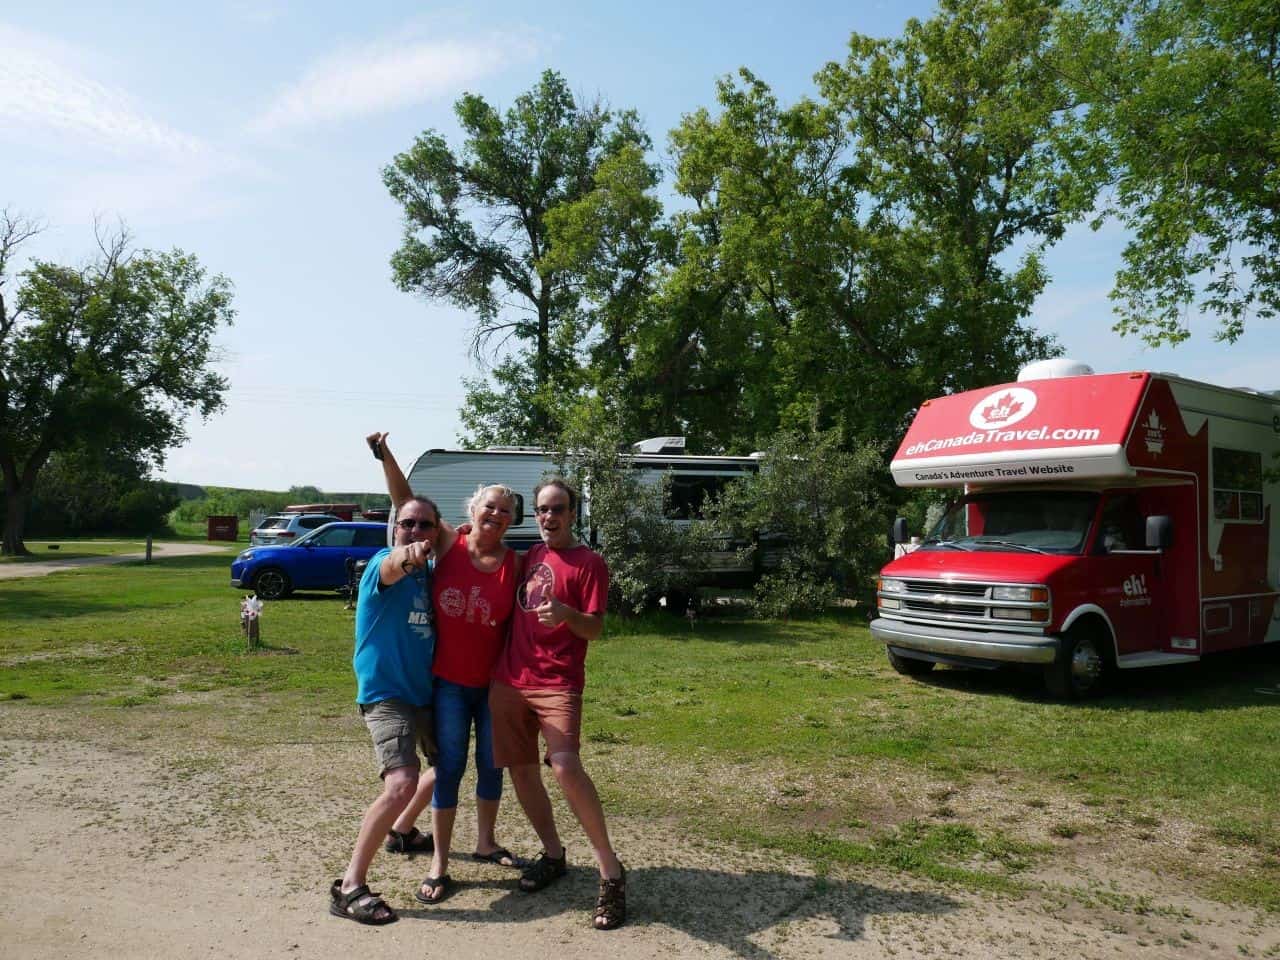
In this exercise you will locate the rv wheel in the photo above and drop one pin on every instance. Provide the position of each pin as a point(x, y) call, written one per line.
point(1080, 667)
point(909, 666)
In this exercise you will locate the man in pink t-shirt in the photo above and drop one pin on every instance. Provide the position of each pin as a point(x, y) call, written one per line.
point(537, 687)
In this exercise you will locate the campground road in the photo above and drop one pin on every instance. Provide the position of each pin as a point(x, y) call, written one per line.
point(12, 571)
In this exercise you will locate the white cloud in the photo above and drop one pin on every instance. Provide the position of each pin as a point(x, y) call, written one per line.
point(387, 75)
point(45, 96)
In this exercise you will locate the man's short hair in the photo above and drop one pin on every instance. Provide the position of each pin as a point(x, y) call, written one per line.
point(425, 501)
point(564, 485)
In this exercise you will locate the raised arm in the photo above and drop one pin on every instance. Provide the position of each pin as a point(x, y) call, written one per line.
point(397, 486)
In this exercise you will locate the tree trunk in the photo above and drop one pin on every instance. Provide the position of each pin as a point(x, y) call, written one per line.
point(15, 516)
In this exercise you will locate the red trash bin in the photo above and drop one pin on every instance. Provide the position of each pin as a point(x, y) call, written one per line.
point(224, 528)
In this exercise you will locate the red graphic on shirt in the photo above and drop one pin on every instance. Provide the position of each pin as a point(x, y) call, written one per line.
point(538, 587)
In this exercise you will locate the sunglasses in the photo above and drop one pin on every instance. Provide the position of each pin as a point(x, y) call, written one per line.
point(555, 509)
point(409, 524)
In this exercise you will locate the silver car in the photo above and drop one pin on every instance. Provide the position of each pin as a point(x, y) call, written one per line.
point(281, 529)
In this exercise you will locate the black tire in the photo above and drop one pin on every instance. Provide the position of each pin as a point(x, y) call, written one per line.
point(1082, 666)
point(272, 583)
point(909, 666)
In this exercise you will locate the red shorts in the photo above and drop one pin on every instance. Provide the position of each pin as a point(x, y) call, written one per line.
point(519, 714)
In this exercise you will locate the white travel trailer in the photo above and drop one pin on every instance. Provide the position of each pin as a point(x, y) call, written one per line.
point(450, 477)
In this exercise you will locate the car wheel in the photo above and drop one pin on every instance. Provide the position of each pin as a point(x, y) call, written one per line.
point(1079, 670)
point(909, 666)
point(272, 583)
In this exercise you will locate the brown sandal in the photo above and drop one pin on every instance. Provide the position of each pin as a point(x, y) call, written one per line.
point(611, 905)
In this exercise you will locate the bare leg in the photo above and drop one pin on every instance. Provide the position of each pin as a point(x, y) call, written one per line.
point(584, 801)
point(486, 825)
point(442, 828)
point(421, 797)
point(527, 779)
point(397, 791)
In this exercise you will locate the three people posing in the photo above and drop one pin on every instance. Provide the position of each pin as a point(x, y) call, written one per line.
point(537, 672)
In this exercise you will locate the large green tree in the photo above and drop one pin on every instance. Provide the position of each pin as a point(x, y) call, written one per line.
point(111, 356)
point(852, 255)
point(476, 235)
point(1183, 111)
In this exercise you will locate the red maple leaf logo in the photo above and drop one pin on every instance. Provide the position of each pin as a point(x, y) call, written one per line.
point(1004, 408)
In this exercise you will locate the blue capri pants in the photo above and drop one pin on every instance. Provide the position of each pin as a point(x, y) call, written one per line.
point(456, 708)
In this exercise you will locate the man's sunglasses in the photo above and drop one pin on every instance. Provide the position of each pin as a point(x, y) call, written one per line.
point(408, 524)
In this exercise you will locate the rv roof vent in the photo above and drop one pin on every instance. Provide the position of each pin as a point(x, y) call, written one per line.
point(659, 445)
point(1054, 368)
point(757, 454)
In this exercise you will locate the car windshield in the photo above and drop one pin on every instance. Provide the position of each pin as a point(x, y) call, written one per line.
point(310, 536)
point(1041, 521)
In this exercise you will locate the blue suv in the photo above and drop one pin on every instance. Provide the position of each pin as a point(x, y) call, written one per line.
point(316, 561)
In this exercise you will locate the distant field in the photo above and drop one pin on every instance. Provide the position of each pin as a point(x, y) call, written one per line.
point(794, 737)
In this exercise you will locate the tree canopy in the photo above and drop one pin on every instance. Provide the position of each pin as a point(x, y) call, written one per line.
point(475, 234)
point(107, 359)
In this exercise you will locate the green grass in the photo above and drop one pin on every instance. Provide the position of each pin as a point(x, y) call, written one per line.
point(783, 736)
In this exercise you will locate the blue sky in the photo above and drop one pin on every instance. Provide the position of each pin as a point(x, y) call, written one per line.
point(253, 135)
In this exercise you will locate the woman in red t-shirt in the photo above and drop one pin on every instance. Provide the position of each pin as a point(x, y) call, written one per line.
point(473, 592)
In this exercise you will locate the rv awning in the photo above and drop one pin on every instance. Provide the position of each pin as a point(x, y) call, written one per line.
point(1037, 430)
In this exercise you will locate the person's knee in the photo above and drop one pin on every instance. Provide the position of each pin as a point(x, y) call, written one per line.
point(489, 784)
point(567, 767)
point(399, 785)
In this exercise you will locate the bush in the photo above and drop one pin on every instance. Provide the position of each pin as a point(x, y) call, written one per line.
point(820, 512)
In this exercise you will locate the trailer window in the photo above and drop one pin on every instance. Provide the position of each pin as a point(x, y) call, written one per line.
point(689, 493)
point(1237, 485)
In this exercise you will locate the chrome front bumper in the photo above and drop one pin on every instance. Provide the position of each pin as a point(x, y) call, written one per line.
point(967, 644)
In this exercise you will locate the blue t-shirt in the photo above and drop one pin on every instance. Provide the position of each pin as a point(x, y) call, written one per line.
point(395, 637)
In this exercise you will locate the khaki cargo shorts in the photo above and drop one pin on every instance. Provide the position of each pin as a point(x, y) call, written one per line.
point(398, 729)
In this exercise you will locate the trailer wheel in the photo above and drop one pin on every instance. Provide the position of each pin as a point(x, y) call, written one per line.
point(909, 666)
point(1079, 670)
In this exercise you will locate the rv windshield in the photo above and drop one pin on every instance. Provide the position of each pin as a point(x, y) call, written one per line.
point(1041, 521)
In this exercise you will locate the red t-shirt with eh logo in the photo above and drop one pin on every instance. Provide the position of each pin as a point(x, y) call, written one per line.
point(472, 609)
point(539, 656)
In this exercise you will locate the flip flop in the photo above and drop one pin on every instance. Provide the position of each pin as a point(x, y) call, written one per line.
point(498, 856)
point(443, 884)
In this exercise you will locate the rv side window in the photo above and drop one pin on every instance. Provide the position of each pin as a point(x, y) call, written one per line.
point(1237, 485)
point(690, 493)
point(1123, 527)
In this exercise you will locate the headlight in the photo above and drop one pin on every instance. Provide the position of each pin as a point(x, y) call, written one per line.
point(247, 555)
point(893, 586)
point(887, 603)
point(1024, 594)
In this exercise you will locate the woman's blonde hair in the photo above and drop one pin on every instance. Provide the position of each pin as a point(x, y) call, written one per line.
point(482, 491)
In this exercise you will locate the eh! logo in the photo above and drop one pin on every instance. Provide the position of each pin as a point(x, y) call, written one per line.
point(1136, 585)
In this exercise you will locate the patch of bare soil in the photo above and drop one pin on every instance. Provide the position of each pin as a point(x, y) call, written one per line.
point(138, 841)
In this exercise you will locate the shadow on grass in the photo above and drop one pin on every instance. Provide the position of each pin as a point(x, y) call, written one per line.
point(730, 910)
point(1222, 681)
point(738, 628)
point(32, 603)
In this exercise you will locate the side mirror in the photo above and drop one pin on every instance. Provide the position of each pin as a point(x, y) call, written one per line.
point(1159, 532)
point(900, 534)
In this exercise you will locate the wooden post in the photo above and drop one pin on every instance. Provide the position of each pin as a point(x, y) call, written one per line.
point(148, 560)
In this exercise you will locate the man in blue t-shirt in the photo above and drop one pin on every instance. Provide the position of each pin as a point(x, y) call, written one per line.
point(394, 643)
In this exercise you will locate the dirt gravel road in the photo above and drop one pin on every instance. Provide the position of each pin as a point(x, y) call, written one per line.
point(40, 568)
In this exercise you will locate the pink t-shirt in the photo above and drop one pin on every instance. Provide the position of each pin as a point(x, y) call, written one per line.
point(472, 608)
point(541, 656)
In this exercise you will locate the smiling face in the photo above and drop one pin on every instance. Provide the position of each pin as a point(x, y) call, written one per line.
point(492, 511)
point(555, 520)
point(410, 524)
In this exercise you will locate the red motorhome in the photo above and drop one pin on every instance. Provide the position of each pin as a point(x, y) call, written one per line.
point(1102, 521)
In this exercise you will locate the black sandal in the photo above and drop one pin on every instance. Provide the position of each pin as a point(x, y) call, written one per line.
point(611, 905)
point(502, 857)
point(543, 871)
point(349, 907)
point(415, 841)
point(443, 884)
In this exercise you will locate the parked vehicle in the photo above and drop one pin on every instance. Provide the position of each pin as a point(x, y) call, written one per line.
point(280, 528)
point(318, 560)
point(1107, 521)
point(449, 477)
